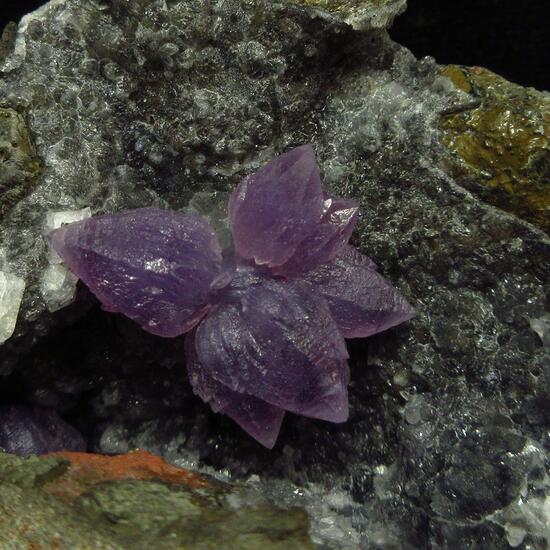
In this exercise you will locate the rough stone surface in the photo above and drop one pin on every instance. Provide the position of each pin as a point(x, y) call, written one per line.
point(80, 501)
point(501, 142)
point(360, 14)
point(141, 103)
point(20, 167)
point(7, 39)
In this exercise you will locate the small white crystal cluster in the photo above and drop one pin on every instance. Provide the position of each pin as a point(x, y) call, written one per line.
point(58, 285)
point(529, 514)
point(11, 294)
point(541, 326)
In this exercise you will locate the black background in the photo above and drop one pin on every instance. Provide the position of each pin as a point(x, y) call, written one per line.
point(510, 37)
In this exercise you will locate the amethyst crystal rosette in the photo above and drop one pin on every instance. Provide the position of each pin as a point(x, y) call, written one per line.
point(266, 318)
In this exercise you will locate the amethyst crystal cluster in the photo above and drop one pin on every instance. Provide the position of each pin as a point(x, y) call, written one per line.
point(27, 431)
point(267, 317)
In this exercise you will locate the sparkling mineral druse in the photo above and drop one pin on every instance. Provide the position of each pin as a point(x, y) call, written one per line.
point(266, 318)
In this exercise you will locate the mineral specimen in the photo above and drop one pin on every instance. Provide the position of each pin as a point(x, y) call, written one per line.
point(139, 103)
point(28, 431)
point(271, 342)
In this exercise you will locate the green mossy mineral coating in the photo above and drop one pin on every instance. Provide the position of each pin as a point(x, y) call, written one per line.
point(31, 472)
point(20, 167)
point(148, 513)
point(137, 514)
point(502, 143)
point(31, 519)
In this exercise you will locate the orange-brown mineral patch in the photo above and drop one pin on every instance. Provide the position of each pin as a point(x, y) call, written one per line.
point(501, 143)
point(88, 469)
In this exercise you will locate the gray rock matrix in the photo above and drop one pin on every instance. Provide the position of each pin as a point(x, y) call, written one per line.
point(133, 103)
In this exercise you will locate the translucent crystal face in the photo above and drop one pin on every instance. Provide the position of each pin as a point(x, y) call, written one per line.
point(267, 317)
point(27, 431)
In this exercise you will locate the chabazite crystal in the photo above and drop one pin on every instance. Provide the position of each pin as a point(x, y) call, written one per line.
point(266, 318)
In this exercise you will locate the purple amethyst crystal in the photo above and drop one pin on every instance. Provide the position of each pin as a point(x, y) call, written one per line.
point(266, 320)
point(273, 210)
point(260, 419)
point(158, 267)
point(28, 431)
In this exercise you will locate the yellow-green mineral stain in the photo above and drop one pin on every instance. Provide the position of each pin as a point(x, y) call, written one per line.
point(20, 167)
point(502, 143)
point(7, 39)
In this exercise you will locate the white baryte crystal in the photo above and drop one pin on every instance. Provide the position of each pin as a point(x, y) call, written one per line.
point(11, 294)
point(385, 481)
point(515, 535)
point(526, 516)
point(542, 327)
point(54, 220)
point(58, 285)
